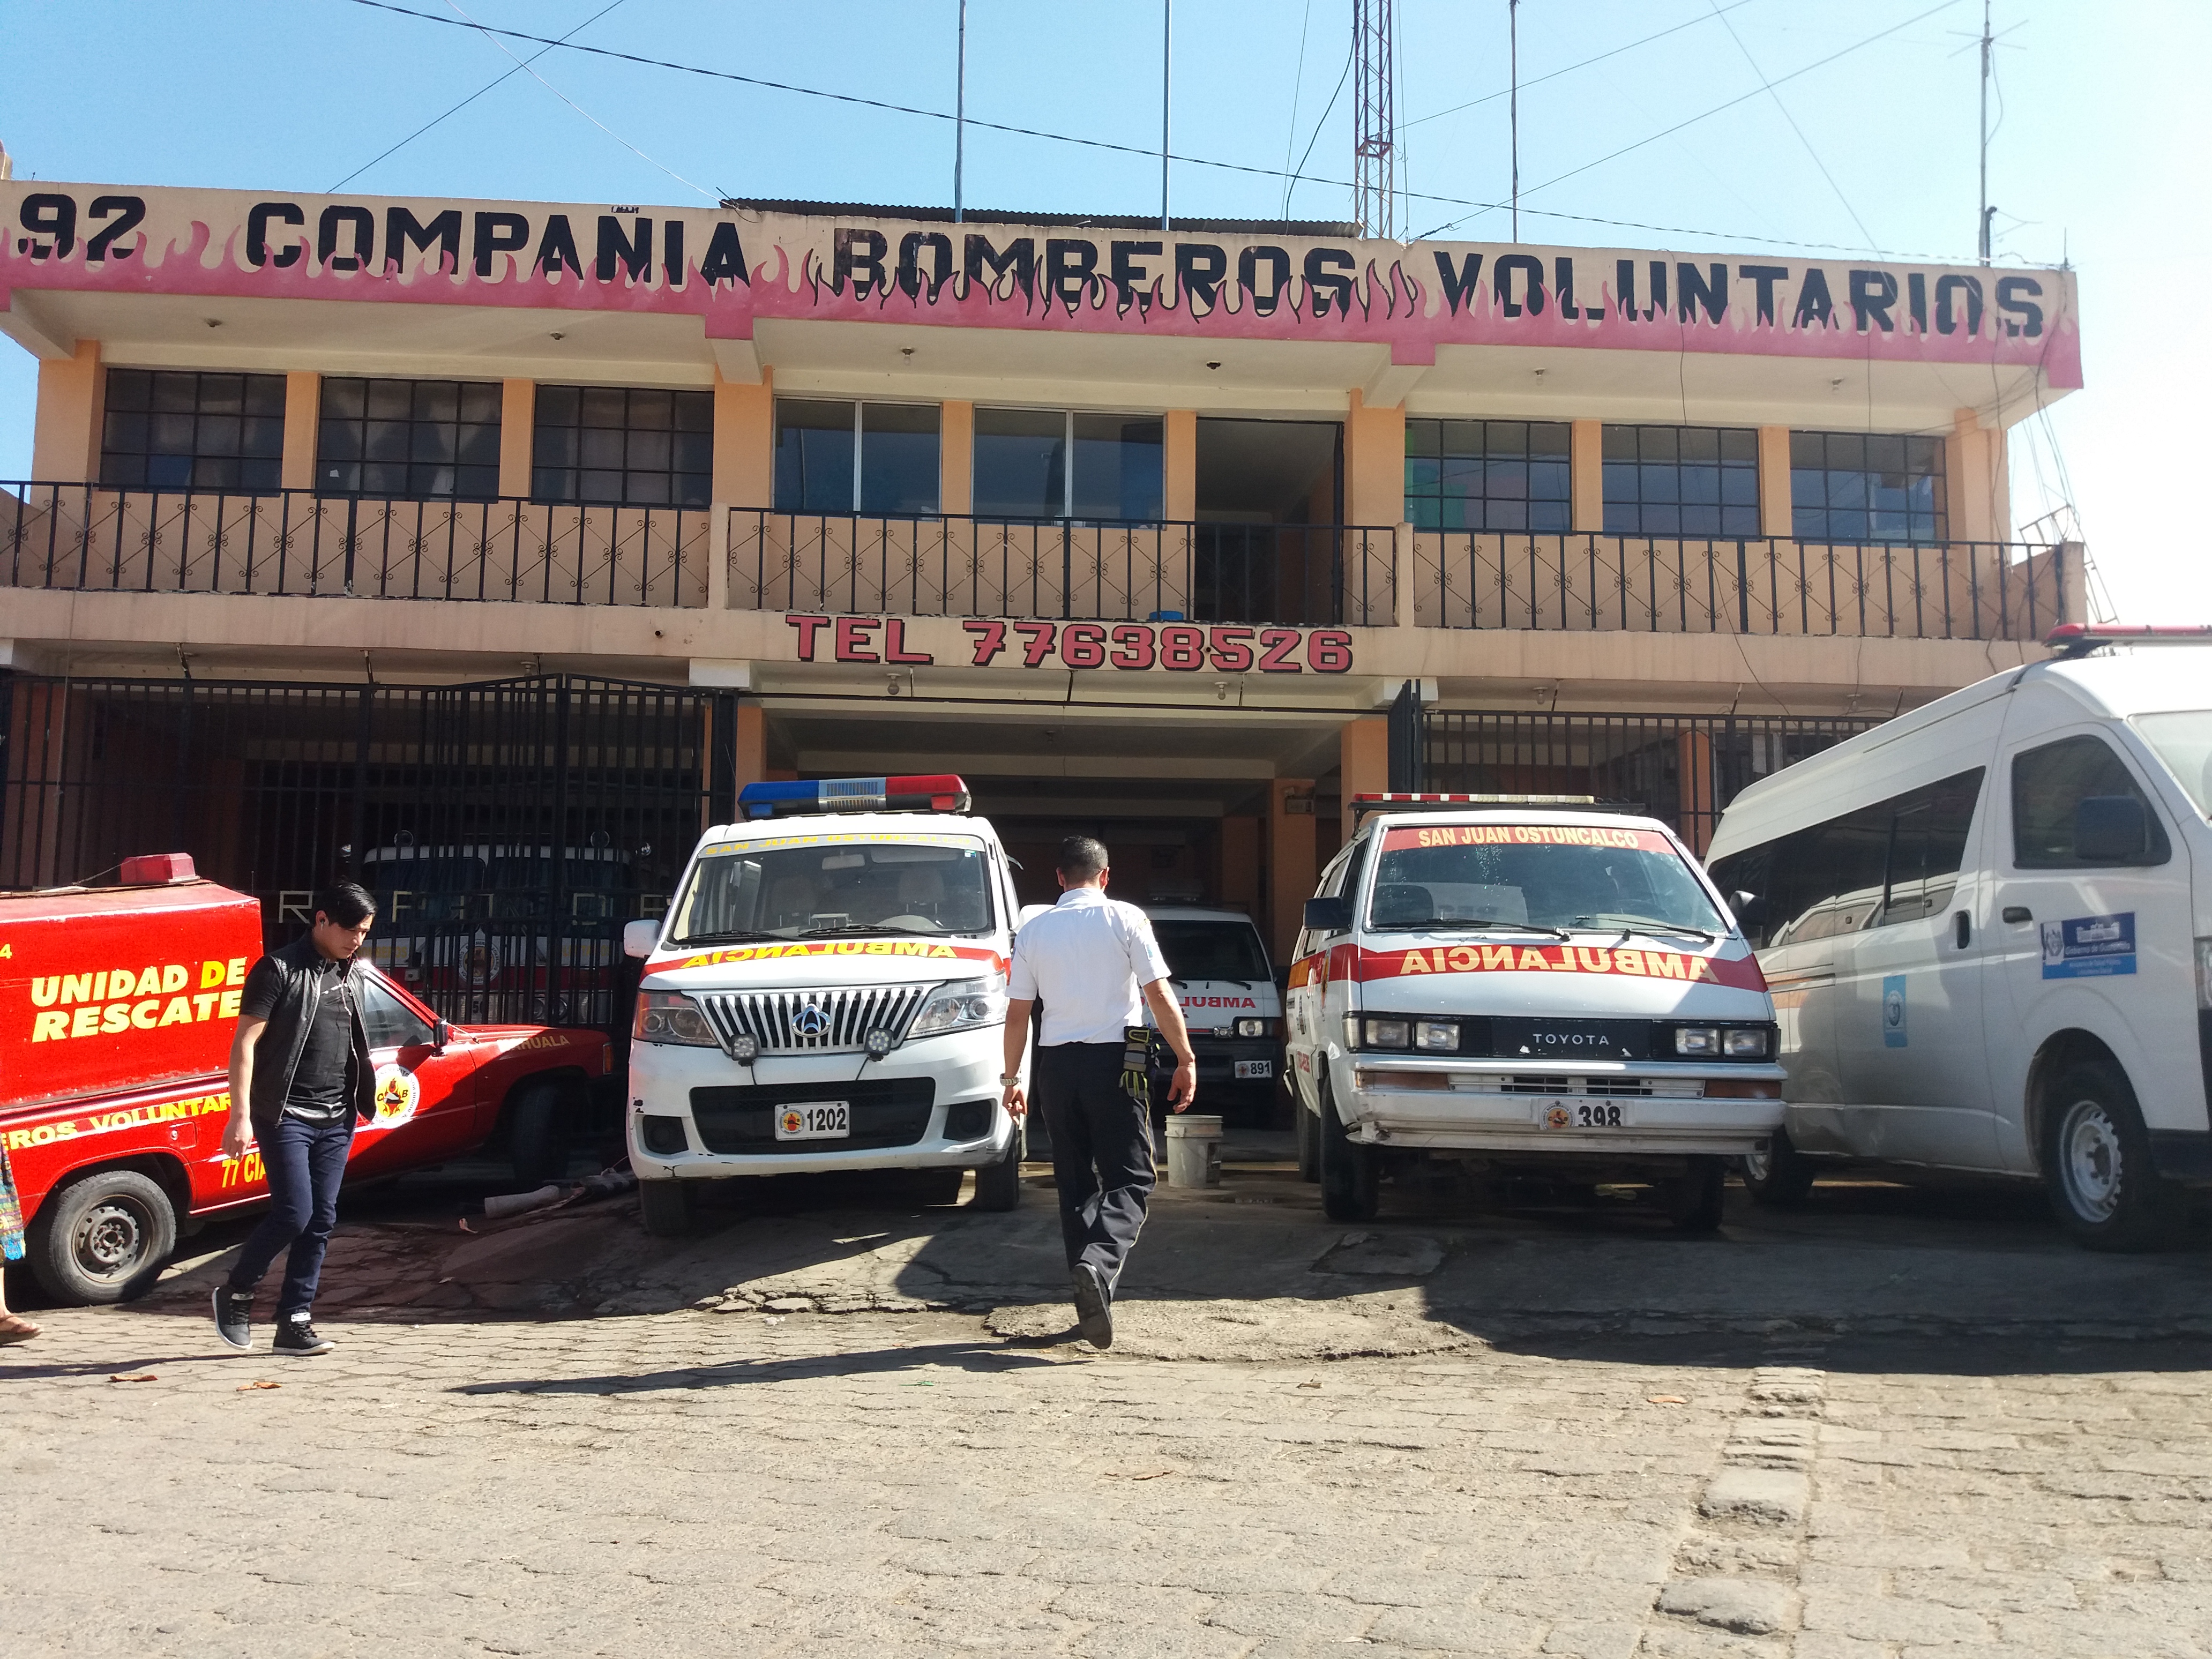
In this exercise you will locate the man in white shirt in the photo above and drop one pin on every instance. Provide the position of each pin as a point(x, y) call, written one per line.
point(1093, 963)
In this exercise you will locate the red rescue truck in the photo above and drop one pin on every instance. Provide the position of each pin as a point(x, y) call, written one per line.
point(117, 1008)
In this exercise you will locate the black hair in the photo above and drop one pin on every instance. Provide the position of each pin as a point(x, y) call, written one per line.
point(1081, 859)
point(345, 903)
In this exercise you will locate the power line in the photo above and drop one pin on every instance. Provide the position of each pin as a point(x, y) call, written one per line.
point(1793, 127)
point(1297, 85)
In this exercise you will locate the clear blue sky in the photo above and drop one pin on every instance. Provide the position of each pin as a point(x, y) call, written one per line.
point(2101, 155)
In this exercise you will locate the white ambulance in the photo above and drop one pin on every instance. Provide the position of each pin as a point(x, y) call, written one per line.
point(1988, 925)
point(1526, 983)
point(1217, 968)
point(827, 991)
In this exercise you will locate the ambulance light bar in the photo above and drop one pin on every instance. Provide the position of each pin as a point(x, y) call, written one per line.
point(2072, 640)
point(1363, 804)
point(937, 792)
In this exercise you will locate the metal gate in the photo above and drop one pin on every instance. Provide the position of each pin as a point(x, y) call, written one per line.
point(508, 828)
point(1684, 768)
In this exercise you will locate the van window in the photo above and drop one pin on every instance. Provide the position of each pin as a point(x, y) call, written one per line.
point(2183, 741)
point(1928, 845)
point(2048, 784)
point(820, 888)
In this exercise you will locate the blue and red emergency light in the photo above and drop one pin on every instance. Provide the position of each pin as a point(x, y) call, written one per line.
point(940, 791)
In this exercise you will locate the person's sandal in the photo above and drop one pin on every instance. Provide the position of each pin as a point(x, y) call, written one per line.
point(14, 1328)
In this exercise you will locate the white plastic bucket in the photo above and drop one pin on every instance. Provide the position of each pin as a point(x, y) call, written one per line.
point(1193, 1149)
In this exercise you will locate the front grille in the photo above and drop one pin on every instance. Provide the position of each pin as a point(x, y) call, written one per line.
point(824, 1022)
point(1665, 1088)
point(886, 1112)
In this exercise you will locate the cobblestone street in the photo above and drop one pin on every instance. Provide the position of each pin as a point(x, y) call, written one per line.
point(731, 1479)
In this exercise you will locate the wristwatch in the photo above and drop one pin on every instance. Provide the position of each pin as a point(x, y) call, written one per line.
point(1008, 1082)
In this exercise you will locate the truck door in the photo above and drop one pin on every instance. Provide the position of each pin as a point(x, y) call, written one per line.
point(423, 1098)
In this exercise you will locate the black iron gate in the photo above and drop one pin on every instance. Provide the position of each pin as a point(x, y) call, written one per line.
point(508, 828)
point(1684, 768)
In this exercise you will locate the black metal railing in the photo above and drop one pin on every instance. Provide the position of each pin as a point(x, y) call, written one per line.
point(1653, 585)
point(954, 566)
point(85, 537)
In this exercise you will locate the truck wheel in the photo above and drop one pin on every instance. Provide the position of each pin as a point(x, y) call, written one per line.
point(537, 1140)
point(998, 1186)
point(103, 1238)
point(1308, 1131)
point(1694, 1197)
point(2097, 1163)
point(1781, 1177)
point(1350, 1174)
point(665, 1207)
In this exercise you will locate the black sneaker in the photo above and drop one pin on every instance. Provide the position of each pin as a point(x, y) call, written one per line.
point(234, 1316)
point(298, 1336)
point(1094, 1307)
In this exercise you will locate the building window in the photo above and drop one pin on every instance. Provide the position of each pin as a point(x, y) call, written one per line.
point(168, 429)
point(1682, 480)
point(630, 447)
point(838, 456)
point(1863, 487)
point(1487, 475)
point(409, 440)
point(1058, 464)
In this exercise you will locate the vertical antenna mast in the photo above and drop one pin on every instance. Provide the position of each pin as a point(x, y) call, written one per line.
point(1982, 220)
point(1374, 187)
point(960, 121)
point(1513, 104)
point(1167, 67)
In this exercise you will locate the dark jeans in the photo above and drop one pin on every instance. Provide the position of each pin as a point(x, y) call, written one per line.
point(1102, 1151)
point(305, 1162)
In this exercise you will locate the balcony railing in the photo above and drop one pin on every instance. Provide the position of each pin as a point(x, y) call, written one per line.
point(1650, 584)
point(952, 566)
point(86, 538)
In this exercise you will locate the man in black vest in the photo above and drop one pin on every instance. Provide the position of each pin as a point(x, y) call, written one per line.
point(299, 1076)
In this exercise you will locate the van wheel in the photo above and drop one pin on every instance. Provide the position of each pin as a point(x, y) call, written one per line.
point(998, 1186)
point(665, 1207)
point(103, 1238)
point(1309, 1130)
point(1694, 1197)
point(2097, 1163)
point(1350, 1174)
point(1781, 1177)
point(537, 1138)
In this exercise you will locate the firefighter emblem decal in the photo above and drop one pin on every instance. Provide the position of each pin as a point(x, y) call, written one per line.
point(1558, 1117)
point(792, 1122)
point(398, 1094)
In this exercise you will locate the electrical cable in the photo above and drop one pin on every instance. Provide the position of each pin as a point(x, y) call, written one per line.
point(1328, 110)
point(1297, 85)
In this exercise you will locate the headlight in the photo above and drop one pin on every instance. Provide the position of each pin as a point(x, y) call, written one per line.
point(1747, 1044)
point(1389, 1033)
point(1439, 1034)
point(1251, 1028)
point(670, 1017)
point(1697, 1040)
point(956, 1008)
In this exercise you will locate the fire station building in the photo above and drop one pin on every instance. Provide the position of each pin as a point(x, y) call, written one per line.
point(497, 543)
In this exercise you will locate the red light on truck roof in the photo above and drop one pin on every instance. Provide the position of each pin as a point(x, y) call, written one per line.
point(2073, 640)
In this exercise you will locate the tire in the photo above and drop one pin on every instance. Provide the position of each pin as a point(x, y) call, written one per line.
point(1694, 1197)
point(1350, 1174)
point(1309, 1133)
point(537, 1138)
point(1781, 1177)
point(103, 1238)
point(2097, 1163)
point(998, 1186)
point(665, 1207)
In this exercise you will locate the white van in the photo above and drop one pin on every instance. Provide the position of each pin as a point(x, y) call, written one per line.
point(1533, 985)
point(1988, 926)
point(828, 991)
point(1218, 970)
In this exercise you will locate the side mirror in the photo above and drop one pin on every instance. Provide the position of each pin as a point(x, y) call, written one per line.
point(2111, 829)
point(1328, 915)
point(639, 938)
point(1750, 908)
point(441, 1035)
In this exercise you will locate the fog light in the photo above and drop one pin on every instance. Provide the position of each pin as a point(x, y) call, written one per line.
point(878, 1043)
point(1749, 1044)
point(1442, 1034)
point(744, 1049)
point(1697, 1040)
point(1251, 1028)
point(1388, 1033)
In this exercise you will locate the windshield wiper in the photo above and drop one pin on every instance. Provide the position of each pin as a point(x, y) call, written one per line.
point(1651, 926)
point(860, 927)
point(1471, 921)
point(734, 936)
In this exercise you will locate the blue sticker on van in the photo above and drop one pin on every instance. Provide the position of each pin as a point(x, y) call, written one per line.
point(2089, 947)
point(1892, 1012)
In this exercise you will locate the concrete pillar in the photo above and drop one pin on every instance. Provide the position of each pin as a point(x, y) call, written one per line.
point(1586, 476)
point(744, 442)
point(1363, 757)
point(1180, 466)
point(303, 414)
point(1978, 490)
point(72, 396)
point(1696, 817)
point(1774, 496)
point(1292, 867)
point(518, 434)
point(1239, 887)
point(1374, 462)
point(956, 457)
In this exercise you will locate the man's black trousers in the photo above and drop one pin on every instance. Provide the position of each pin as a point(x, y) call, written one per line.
point(1102, 1151)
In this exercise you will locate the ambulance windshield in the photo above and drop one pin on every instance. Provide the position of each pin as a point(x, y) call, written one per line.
point(1212, 950)
point(1538, 878)
point(825, 888)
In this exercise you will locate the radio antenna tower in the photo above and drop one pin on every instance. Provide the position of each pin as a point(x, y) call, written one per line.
point(1375, 150)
